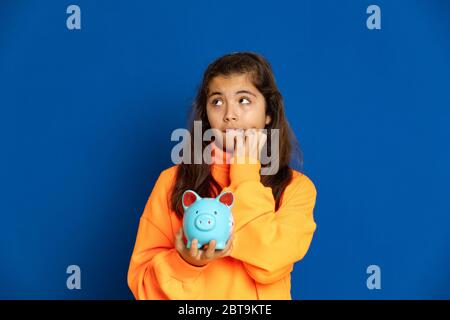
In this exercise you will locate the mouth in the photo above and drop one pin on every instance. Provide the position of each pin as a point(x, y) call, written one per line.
point(232, 129)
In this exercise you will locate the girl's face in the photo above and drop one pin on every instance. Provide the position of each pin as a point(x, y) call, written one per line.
point(233, 102)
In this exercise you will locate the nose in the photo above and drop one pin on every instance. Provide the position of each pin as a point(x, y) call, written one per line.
point(230, 114)
point(205, 222)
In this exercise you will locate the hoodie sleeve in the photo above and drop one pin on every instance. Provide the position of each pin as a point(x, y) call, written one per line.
point(268, 242)
point(156, 269)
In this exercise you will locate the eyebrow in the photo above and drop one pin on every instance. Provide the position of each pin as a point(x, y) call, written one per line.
point(238, 92)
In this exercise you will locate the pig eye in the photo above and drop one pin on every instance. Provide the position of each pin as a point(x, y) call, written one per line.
point(215, 212)
point(196, 212)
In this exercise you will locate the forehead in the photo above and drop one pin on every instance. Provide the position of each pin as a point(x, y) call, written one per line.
point(231, 83)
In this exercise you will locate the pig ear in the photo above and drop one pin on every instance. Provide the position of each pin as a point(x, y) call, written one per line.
point(227, 198)
point(189, 197)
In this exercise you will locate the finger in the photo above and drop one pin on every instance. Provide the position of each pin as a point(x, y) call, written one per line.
point(229, 247)
point(247, 145)
point(227, 250)
point(253, 150)
point(200, 254)
point(193, 251)
point(248, 139)
point(239, 145)
point(261, 137)
point(230, 242)
point(179, 245)
point(211, 248)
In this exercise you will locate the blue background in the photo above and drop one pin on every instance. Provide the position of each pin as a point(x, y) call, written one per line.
point(86, 118)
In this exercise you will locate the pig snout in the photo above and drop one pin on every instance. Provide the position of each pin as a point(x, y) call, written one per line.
point(205, 222)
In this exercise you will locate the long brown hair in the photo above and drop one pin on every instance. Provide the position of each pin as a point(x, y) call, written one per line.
point(198, 177)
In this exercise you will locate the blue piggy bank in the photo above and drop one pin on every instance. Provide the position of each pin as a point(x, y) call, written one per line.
point(207, 219)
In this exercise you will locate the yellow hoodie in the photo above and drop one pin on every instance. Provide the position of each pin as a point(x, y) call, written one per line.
point(266, 242)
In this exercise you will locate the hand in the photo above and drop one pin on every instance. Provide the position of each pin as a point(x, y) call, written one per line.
point(200, 257)
point(249, 143)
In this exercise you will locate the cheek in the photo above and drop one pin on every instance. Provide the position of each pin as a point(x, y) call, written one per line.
point(255, 117)
point(212, 118)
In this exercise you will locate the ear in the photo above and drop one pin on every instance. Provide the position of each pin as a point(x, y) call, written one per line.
point(227, 198)
point(189, 197)
point(268, 119)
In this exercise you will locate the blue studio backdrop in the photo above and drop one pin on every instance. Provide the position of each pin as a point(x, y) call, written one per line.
point(86, 116)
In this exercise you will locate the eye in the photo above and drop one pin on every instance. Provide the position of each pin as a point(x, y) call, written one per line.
point(215, 212)
point(217, 102)
point(242, 100)
point(196, 212)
